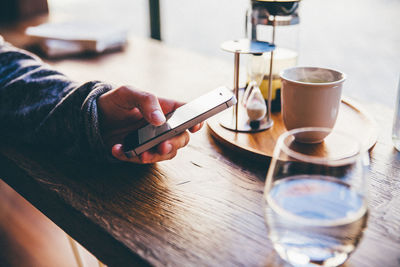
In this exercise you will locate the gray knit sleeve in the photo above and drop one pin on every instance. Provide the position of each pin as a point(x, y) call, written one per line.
point(40, 106)
point(91, 122)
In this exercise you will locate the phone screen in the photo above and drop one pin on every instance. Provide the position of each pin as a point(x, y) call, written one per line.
point(176, 118)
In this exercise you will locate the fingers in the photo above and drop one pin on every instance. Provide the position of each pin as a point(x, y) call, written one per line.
point(196, 127)
point(118, 153)
point(164, 151)
point(147, 103)
point(173, 144)
point(133, 104)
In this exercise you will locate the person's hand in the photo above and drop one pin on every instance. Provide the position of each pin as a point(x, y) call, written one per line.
point(122, 111)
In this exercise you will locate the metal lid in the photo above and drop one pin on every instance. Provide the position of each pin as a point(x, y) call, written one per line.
point(280, 20)
point(283, 12)
point(275, 0)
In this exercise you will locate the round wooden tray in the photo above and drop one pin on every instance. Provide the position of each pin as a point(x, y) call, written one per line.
point(352, 119)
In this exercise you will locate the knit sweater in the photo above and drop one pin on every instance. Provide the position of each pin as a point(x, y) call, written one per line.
point(42, 107)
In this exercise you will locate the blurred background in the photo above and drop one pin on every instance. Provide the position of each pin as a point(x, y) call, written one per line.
point(342, 25)
point(340, 34)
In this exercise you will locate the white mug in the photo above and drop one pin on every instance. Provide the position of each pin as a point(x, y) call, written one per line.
point(311, 98)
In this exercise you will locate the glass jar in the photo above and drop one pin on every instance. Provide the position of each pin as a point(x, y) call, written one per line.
point(275, 22)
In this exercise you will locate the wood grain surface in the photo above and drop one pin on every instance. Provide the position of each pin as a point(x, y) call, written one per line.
point(204, 207)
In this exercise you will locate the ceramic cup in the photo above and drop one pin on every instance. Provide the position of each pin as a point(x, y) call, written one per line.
point(311, 98)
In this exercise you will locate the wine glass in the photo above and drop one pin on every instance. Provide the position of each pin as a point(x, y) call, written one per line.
point(316, 197)
point(253, 99)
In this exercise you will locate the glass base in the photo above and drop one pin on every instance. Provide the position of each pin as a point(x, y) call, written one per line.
point(311, 256)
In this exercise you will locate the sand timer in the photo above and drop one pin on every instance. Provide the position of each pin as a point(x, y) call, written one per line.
point(250, 114)
point(253, 100)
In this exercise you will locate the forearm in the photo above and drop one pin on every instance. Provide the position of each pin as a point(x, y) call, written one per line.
point(43, 107)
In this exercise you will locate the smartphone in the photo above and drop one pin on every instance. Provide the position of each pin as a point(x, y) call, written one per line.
point(178, 121)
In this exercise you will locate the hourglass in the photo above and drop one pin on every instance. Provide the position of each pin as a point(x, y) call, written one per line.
point(250, 114)
point(253, 100)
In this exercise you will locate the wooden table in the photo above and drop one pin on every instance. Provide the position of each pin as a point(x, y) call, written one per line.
point(204, 207)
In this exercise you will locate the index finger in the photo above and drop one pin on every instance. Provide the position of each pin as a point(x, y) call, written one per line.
point(169, 105)
point(147, 103)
